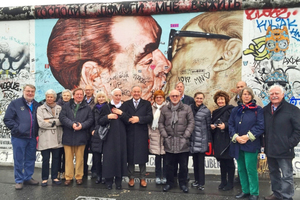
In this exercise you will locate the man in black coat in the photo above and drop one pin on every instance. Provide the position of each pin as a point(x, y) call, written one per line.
point(186, 99)
point(282, 134)
point(77, 118)
point(140, 114)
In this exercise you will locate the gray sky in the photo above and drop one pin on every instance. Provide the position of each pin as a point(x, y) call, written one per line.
point(8, 3)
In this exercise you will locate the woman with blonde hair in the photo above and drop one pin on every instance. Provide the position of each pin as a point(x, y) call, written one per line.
point(96, 143)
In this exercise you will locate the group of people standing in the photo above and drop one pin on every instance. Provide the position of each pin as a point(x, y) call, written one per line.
point(177, 126)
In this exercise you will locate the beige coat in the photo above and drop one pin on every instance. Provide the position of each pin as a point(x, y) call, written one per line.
point(156, 145)
point(49, 137)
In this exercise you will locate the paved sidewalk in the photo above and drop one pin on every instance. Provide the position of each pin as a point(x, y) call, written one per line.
point(91, 191)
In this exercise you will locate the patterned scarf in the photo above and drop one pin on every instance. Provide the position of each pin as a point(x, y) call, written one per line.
point(249, 106)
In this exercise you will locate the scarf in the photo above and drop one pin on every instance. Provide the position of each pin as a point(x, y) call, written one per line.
point(249, 106)
point(156, 115)
point(50, 108)
point(219, 112)
point(99, 106)
point(118, 105)
point(195, 108)
point(174, 118)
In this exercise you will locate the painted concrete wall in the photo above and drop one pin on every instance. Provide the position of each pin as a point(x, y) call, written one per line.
point(212, 51)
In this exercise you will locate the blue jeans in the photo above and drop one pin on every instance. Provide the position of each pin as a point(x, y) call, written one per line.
point(282, 182)
point(54, 165)
point(24, 150)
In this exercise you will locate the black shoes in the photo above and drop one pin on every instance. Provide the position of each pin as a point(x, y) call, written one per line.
point(227, 187)
point(167, 188)
point(109, 187)
point(99, 180)
point(242, 195)
point(200, 187)
point(184, 188)
point(221, 186)
point(195, 184)
point(253, 197)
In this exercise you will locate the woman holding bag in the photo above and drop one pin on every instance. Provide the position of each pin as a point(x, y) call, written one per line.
point(114, 145)
point(221, 139)
point(96, 144)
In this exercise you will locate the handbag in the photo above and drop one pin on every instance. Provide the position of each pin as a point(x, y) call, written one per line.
point(103, 130)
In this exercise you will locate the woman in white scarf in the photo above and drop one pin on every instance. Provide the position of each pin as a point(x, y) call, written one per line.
point(156, 140)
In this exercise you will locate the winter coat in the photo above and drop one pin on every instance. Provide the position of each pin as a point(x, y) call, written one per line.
point(84, 116)
point(282, 130)
point(176, 140)
point(96, 142)
point(91, 103)
point(220, 138)
point(201, 134)
point(241, 123)
point(115, 145)
point(137, 134)
point(20, 119)
point(156, 145)
point(50, 137)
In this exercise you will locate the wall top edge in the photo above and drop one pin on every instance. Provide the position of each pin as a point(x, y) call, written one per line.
point(136, 8)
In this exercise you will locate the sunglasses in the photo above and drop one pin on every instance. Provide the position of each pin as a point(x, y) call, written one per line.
point(175, 33)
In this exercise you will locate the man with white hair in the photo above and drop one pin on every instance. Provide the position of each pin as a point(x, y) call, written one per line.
point(282, 134)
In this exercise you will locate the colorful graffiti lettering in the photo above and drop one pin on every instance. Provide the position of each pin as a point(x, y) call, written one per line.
point(283, 13)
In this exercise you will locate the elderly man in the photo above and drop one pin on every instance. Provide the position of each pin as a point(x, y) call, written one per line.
point(239, 86)
point(186, 99)
point(282, 134)
point(89, 99)
point(140, 113)
point(176, 124)
point(20, 118)
point(77, 118)
point(108, 53)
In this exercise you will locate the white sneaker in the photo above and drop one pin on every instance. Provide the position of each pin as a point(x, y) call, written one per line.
point(158, 181)
point(163, 181)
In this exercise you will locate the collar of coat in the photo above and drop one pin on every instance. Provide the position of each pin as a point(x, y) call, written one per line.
point(181, 105)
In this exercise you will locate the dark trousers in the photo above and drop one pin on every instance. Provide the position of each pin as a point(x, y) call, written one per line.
point(227, 169)
point(61, 160)
point(142, 167)
point(24, 150)
point(109, 181)
point(171, 161)
point(54, 164)
point(199, 169)
point(281, 175)
point(160, 170)
point(97, 162)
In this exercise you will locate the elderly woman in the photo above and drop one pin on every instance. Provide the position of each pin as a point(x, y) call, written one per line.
point(246, 124)
point(66, 95)
point(200, 138)
point(221, 139)
point(114, 147)
point(96, 143)
point(156, 146)
point(50, 136)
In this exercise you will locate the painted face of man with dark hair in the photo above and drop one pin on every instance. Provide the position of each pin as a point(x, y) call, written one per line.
point(138, 62)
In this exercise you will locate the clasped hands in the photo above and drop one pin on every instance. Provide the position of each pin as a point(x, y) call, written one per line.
point(77, 126)
point(242, 139)
point(115, 113)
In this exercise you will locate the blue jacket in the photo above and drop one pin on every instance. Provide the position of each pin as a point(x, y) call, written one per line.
point(20, 119)
point(241, 123)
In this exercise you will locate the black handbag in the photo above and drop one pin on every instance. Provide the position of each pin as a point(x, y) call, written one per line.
point(103, 130)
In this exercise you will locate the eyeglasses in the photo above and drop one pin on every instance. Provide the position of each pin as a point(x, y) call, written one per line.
point(175, 33)
point(29, 91)
point(174, 96)
point(274, 93)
